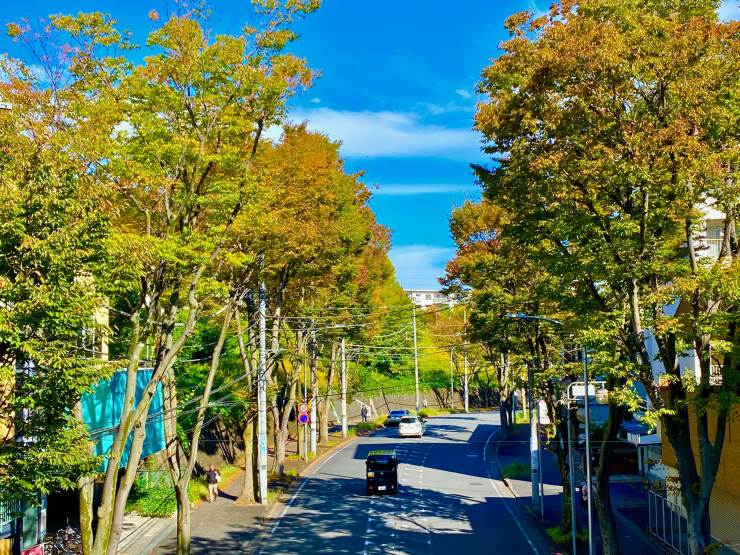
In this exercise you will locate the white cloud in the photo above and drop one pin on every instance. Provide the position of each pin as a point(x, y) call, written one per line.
point(424, 189)
point(390, 134)
point(315, 100)
point(419, 266)
point(532, 5)
point(463, 93)
point(730, 10)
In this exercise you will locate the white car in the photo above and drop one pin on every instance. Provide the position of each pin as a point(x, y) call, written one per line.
point(411, 426)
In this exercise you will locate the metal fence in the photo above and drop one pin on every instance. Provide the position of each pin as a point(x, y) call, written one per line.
point(148, 479)
point(667, 522)
point(7, 510)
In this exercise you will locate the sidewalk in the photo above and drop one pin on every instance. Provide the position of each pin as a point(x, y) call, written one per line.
point(629, 499)
point(218, 527)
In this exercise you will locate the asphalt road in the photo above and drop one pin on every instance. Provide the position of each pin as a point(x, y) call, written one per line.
point(450, 500)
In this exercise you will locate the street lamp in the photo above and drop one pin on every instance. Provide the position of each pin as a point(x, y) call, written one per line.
point(534, 441)
point(601, 397)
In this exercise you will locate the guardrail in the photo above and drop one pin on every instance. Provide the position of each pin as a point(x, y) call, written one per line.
point(667, 522)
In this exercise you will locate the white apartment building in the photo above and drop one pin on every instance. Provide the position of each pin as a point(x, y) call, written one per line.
point(427, 298)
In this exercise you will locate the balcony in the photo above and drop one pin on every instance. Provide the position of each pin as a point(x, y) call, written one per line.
point(714, 246)
point(7, 510)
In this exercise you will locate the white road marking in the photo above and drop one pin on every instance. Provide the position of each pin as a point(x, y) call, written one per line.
point(503, 500)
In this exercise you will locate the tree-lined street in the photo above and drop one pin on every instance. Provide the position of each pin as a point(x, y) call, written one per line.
point(450, 499)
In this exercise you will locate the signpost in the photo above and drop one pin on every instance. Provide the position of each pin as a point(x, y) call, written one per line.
point(303, 418)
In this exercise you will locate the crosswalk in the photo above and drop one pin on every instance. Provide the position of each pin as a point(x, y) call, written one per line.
point(397, 525)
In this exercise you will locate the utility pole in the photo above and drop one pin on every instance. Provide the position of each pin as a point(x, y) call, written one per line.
point(588, 454)
point(452, 383)
point(534, 439)
point(314, 397)
point(262, 401)
point(344, 389)
point(465, 323)
point(305, 400)
point(466, 381)
point(416, 365)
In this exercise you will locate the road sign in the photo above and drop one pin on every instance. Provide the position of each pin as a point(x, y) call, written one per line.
point(6, 106)
point(303, 408)
point(579, 390)
point(303, 418)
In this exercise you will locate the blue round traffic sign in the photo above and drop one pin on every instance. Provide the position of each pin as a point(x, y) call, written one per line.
point(303, 418)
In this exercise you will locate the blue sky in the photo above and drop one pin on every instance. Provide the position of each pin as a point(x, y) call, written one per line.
point(397, 90)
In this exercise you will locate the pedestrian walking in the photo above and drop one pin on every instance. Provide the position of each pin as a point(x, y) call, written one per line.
point(363, 413)
point(213, 477)
point(424, 404)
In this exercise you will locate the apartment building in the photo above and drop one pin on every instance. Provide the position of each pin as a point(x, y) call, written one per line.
point(427, 298)
point(725, 502)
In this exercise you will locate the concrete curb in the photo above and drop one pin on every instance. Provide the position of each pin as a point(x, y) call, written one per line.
point(159, 539)
point(528, 510)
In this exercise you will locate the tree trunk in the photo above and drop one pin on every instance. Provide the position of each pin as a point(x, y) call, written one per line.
point(566, 524)
point(247, 494)
point(281, 439)
point(603, 504)
point(324, 421)
point(503, 407)
point(124, 487)
point(85, 494)
point(324, 415)
point(698, 527)
point(183, 517)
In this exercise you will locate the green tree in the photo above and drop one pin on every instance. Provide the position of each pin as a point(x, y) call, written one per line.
point(612, 124)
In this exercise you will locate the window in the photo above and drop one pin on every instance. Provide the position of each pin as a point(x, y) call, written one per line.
point(429, 297)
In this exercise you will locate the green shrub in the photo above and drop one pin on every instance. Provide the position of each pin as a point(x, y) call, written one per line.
point(519, 418)
point(159, 501)
point(380, 420)
point(368, 426)
point(515, 470)
point(154, 502)
point(559, 537)
point(424, 413)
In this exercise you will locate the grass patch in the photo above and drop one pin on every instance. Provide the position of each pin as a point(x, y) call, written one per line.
point(424, 413)
point(380, 420)
point(293, 473)
point(294, 457)
point(366, 426)
point(351, 432)
point(515, 470)
point(519, 418)
point(159, 501)
point(559, 537)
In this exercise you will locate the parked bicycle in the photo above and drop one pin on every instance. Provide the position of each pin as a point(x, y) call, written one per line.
point(66, 541)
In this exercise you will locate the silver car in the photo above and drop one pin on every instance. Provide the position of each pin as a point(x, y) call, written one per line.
point(395, 417)
point(412, 426)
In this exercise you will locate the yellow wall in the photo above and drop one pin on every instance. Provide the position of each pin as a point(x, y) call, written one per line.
point(724, 507)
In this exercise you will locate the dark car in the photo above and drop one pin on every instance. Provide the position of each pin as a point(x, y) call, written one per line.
point(382, 472)
point(395, 417)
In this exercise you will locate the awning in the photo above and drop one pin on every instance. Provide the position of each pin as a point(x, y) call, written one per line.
point(639, 434)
